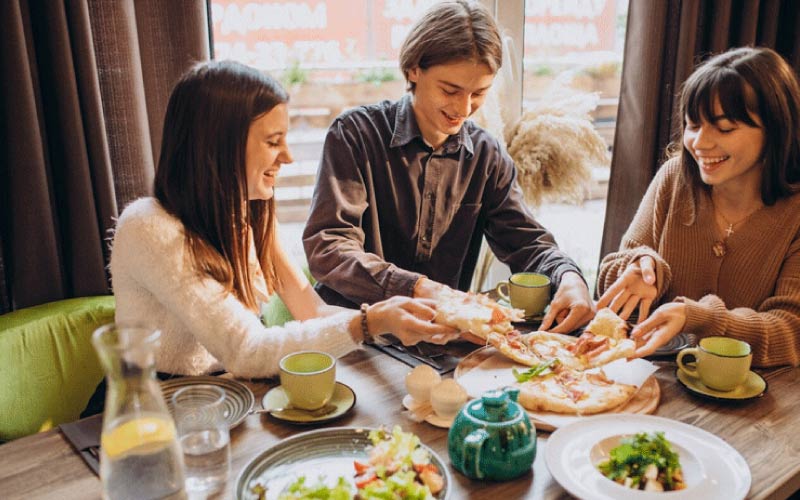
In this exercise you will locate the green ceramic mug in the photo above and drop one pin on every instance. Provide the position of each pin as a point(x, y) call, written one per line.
point(308, 378)
point(527, 291)
point(721, 363)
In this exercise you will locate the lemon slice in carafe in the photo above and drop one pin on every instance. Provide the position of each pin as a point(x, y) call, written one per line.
point(139, 435)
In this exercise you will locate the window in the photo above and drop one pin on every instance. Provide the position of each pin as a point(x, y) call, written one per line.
point(330, 55)
point(335, 54)
point(574, 48)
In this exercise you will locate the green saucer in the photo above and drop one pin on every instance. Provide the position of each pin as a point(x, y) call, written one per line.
point(343, 397)
point(754, 387)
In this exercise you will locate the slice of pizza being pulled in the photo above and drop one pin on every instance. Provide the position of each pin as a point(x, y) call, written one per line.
point(606, 323)
point(475, 313)
point(587, 351)
point(604, 340)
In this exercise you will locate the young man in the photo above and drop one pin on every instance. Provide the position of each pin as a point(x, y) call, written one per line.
point(407, 189)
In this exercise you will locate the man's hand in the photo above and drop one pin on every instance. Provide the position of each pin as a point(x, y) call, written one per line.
point(571, 306)
point(666, 322)
point(428, 289)
point(410, 320)
point(635, 287)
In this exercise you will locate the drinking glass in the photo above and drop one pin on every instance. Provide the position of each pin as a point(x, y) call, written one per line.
point(204, 437)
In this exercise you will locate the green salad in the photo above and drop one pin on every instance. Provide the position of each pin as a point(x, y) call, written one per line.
point(299, 490)
point(644, 461)
point(397, 468)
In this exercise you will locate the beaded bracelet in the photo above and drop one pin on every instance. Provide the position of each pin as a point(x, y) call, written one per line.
point(366, 337)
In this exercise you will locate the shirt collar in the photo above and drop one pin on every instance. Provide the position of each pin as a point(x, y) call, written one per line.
point(406, 129)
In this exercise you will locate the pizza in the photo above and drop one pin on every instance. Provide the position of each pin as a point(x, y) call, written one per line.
point(606, 323)
point(560, 389)
point(512, 346)
point(597, 350)
point(547, 346)
point(604, 340)
point(475, 313)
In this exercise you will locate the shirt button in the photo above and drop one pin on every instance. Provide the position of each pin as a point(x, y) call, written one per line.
point(424, 238)
point(429, 196)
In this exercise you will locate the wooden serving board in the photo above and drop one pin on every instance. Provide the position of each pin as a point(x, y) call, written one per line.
point(644, 401)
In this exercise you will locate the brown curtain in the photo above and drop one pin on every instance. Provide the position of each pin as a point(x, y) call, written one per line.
point(81, 109)
point(664, 41)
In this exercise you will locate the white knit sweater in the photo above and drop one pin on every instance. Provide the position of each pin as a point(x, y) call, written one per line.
point(203, 327)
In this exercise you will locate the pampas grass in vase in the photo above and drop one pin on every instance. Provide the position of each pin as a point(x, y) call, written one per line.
point(554, 146)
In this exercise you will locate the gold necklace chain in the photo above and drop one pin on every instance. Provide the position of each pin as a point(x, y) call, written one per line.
point(720, 247)
point(731, 225)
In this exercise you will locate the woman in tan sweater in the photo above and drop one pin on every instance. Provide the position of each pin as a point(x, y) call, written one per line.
point(716, 239)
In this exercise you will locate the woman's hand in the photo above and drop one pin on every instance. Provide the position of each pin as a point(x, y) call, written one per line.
point(410, 320)
point(571, 306)
point(666, 322)
point(636, 287)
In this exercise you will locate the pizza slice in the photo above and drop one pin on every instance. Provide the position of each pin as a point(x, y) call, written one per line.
point(513, 347)
point(597, 350)
point(587, 351)
point(475, 313)
point(560, 389)
point(606, 323)
point(604, 340)
point(547, 346)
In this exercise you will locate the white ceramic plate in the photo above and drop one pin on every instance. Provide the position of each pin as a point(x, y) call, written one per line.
point(712, 468)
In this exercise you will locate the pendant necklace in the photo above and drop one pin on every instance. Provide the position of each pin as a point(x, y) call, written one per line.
point(720, 247)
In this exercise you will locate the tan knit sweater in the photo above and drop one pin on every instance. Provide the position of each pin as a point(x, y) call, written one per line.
point(752, 293)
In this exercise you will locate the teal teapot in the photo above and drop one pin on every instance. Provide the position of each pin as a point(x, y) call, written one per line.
point(492, 437)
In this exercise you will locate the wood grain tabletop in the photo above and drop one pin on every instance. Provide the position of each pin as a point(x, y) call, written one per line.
point(766, 431)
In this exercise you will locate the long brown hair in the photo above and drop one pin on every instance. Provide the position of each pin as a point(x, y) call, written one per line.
point(201, 177)
point(452, 32)
point(747, 81)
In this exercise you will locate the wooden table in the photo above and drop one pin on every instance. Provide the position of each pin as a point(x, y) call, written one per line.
point(765, 431)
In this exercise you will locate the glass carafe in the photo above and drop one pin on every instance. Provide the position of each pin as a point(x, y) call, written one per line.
point(140, 457)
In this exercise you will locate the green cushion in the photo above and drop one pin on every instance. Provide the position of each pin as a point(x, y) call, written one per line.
point(48, 367)
point(274, 312)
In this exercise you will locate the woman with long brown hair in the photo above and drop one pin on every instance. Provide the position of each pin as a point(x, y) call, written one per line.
point(196, 260)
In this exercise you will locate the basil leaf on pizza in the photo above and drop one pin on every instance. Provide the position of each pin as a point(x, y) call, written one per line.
point(540, 369)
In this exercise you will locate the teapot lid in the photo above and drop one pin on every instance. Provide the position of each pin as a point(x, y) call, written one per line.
point(499, 405)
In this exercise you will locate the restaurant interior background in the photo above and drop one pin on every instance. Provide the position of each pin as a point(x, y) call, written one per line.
point(86, 86)
point(335, 54)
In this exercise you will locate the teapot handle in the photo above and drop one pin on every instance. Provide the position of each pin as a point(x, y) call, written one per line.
point(473, 444)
